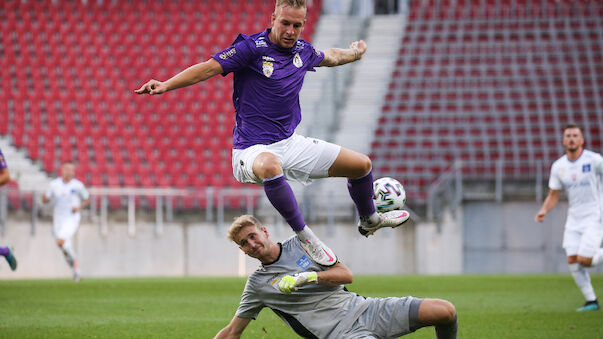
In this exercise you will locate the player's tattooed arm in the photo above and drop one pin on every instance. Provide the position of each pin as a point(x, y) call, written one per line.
point(339, 274)
point(338, 56)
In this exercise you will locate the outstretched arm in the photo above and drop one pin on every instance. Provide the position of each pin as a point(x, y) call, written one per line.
point(234, 329)
point(190, 76)
point(550, 202)
point(338, 56)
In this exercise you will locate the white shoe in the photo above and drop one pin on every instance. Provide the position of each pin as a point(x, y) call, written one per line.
point(391, 219)
point(317, 251)
point(77, 277)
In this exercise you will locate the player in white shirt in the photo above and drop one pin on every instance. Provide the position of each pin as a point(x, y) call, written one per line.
point(579, 173)
point(70, 197)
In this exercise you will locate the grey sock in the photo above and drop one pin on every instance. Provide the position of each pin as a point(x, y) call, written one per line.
point(447, 331)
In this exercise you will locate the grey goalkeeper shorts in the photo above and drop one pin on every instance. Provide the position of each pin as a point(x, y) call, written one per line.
point(387, 318)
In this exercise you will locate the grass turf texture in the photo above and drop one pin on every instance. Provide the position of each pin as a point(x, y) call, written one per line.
point(533, 306)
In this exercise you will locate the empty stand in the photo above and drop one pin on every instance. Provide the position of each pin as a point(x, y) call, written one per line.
point(70, 68)
point(490, 80)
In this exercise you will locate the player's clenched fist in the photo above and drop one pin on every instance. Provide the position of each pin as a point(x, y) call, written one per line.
point(152, 87)
point(290, 284)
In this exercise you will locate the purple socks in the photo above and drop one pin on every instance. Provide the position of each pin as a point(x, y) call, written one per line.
point(281, 196)
point(361, 191)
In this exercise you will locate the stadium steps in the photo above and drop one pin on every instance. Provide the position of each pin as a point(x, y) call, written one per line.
point(358, 117)
point(27, 174)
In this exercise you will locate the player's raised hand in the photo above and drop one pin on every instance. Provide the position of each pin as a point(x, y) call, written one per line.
point(289, 283)
point(359, 46)
point(152, 87)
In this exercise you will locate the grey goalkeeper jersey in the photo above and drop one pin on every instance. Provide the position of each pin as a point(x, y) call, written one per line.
point(314, 311)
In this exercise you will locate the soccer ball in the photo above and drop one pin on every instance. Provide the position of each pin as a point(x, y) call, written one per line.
point(389, 194)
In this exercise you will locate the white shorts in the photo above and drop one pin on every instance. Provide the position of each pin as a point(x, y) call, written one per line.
point(303, 159)
point(65, 227)
point(584, 241)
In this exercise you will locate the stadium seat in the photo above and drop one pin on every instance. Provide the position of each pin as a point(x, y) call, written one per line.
point(465, 81)
point(78, 97)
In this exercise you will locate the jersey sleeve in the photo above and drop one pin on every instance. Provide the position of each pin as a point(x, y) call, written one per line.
point(555, 181)
point(250, 305)
point(598, 164)
point(2, 161)
point(315, 58)
point(236, 57)
point(83, 192)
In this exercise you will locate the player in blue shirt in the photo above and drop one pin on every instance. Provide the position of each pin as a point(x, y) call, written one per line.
point(269, 68)
point(6, 252)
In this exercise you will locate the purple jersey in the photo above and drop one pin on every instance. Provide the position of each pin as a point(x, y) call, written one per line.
point(2, 161)
point(267, 81)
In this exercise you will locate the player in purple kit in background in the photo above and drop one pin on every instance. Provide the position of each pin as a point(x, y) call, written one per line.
point(6, 252)
point(269, 69)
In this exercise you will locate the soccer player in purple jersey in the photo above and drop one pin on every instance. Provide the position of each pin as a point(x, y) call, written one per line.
point(269, 69)
point(6, 252)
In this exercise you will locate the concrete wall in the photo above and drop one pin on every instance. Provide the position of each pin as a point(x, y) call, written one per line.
point(503, 238)
point(194, 249)
point(482, 237)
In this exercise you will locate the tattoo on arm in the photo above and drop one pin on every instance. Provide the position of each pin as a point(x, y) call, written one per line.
point(338, 56)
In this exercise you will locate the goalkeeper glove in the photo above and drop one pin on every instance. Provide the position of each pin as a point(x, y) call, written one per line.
point(290, 283)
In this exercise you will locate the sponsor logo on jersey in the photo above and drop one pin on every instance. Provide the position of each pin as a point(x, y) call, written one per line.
point(297, 61)
point(228, 54)
point(267, 68)
point(586, 168)
point(267, 58)
point(304, 262)
point(261, 42)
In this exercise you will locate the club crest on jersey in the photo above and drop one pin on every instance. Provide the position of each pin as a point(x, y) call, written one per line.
point(304, 262)
point(574, 177)
point(267, 68)
point(586, 168)
point(297, 61)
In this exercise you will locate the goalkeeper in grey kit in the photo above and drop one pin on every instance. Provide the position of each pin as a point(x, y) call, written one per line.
point(312, 298)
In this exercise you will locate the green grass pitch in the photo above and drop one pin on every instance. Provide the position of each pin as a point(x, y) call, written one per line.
point(501, 306)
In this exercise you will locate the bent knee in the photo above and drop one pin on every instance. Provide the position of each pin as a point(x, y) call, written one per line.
point(267, 165)
point(436, 312)
point(366, 164)
point(448, 312)
point(362, 165)
point(60, 242)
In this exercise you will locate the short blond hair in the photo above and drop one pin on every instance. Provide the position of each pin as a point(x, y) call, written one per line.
point(291, 3)
point(240, 223)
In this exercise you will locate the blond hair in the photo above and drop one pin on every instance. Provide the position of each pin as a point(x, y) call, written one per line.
point(291, 3)
point(241, 222)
